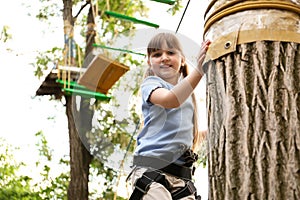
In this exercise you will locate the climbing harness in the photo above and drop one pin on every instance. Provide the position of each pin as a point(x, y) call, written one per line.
point(142, 186)
point(155, 173)
point(170, 168)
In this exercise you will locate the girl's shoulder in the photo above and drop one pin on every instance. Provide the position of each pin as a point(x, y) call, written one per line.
point(153, 78)
point(156, 80)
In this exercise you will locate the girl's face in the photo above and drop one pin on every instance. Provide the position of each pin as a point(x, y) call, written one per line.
point(166, 63)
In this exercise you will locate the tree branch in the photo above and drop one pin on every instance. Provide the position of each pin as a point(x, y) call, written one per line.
point(82, 7)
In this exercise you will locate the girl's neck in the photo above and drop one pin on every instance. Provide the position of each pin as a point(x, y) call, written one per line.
point(173, 80)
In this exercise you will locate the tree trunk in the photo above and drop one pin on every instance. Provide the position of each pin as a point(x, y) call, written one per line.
point(254, 121)
point(80, 157)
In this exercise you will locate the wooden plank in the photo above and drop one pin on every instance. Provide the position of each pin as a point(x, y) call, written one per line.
point(102, 73)
point(69, 68)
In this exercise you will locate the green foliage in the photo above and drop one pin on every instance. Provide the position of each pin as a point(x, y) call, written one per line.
point(44, 59)
point(98, 169)
point(43, 148)
point(12, 185)
point(50, 187)
point(48, 10)
point(5, 35)
point(111, 27)
point(202, 154)
point(176, 7)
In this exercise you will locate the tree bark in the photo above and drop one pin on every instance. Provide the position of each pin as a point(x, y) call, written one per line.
point(254, 122)
point(80, 157)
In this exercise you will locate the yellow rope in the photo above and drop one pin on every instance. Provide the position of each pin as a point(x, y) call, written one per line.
point(225, 10)
point(68, 60)
point(58, 70)
point(68, 78)
point(65, 64)
point(107, 5)
point(95, 13)
point(79, 56)
point(64, 77)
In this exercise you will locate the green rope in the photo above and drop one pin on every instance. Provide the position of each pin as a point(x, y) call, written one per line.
point(82, 90)
point(117, 49)
point(132, 19)
point(87, 93)
point(170, 2)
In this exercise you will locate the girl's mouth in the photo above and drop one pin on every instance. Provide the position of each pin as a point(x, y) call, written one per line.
point(165, 66)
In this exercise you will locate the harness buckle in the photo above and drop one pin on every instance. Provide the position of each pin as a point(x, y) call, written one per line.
point(143, 183)
point(191, 187)
point(187, 190)
point(142, 190)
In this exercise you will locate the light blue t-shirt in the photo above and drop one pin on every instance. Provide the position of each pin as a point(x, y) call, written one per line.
point(167, 133)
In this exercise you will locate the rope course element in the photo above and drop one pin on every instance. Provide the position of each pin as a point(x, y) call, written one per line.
point(118, 49)
point(132, 19)
point(64, 76)
point(74, 88)
point(182, 16)
point(87, 94)
point(170, 2)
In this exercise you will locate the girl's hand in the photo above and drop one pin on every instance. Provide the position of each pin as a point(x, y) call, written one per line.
point(201, 56)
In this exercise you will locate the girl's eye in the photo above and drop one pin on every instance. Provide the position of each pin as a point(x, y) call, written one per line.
point(171, 52)
point(156, 55)
point(159, 54)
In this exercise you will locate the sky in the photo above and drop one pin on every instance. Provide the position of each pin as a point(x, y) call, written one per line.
point(23, 114)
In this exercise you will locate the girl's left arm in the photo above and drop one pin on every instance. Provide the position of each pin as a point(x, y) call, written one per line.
point(175, 97)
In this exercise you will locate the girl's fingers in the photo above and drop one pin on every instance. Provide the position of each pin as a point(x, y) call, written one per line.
point(201, 58)
point(204, 46)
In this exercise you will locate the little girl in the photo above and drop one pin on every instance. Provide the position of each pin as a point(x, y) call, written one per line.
point(164, 155)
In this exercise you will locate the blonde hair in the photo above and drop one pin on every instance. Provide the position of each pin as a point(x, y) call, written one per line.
point(172, 42)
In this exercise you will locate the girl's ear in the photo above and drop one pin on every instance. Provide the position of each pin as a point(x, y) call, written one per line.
point(149, 62)
point(182, 61)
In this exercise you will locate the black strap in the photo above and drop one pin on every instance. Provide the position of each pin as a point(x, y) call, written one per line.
point(170, 168)
point(142, 184)
point(187, 190)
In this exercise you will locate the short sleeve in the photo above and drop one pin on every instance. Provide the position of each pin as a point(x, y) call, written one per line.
point(150, 84)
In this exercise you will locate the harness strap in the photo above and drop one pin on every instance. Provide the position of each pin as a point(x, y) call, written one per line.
point(188, 189)
point(169, 168)
point(142, 186)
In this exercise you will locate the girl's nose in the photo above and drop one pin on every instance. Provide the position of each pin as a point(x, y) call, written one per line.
point(164, 56)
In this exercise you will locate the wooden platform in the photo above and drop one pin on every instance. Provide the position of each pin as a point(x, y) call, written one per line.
point(99, 75)
point(51, 87)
